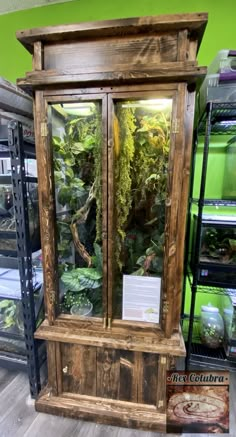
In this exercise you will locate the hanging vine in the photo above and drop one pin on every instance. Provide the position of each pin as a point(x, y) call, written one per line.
point(98, 177)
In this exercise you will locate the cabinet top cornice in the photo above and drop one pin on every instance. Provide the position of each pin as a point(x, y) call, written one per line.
point(195, 23)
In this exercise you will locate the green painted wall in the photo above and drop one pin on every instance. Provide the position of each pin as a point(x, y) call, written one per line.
point(14, 60)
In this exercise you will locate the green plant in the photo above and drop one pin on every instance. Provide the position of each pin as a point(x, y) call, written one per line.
point(82, 283)
point(11, 314)
point(71, 299)
point(77, 171)
point(141, 150)
point(124, 127)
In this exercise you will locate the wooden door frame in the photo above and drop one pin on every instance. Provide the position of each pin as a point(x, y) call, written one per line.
point(173, 259)
point(173, 262)
point(44, 154)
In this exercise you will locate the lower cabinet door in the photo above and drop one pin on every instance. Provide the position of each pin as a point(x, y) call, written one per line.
point(113, 373)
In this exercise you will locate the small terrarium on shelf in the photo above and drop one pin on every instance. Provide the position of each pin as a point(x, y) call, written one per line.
point(217, 257)
point(8, 243)
point(211, 327)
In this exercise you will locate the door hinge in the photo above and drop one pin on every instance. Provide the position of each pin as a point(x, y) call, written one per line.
point(175, 126)
point(44, 129)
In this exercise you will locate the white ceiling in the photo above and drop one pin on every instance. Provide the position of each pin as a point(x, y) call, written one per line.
point(17, 5)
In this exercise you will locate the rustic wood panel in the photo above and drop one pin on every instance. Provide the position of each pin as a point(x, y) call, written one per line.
point(118, 413)
point(53, 93)
point(150, 379)
point(195, 23)
point(165, 73)
point(182, 45)
point(171, 277)
point(79, 369)
point(52, 367)
point(38, 56)
point(110, 205)
point(111, 339)
point(104, 185)
point(108, 373)
point(182, 213)
point(161, 386)
point(46, 205)
point(128, 382)
point(111, 54)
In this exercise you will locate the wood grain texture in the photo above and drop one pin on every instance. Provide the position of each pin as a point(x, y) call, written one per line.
point(110, 54)
point(150, 378)
point(182, 213)
point(108, 339)
point(52, 367)
point(47, 207)
point(161, 386)
point(116, 413)
point(172, 231)
point(108, 373)
point(195, 23)
point(165, 73)
point(182, 45)
point(110, 212)
point(72, 92)
point(104, 188)
point(38, 56)
point(128, 383)
point(79, 369)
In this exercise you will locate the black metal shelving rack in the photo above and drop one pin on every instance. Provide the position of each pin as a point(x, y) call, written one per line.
point(13, 145)
point(209, 124)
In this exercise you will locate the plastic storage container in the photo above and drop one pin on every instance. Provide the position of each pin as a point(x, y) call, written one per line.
point(220, 82)
point(13, 99)
point(212, 327)
point(225, 61)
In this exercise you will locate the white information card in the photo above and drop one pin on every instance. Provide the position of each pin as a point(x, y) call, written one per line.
point(141, 298)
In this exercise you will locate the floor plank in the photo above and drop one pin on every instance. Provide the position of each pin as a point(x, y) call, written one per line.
point(18, 417)
point(6, 377)
point(47, 425)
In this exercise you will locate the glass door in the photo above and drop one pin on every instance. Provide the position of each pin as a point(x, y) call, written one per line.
point(78, 137)
point(138, 169)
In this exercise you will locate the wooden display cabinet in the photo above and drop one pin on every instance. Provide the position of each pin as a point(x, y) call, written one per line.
point(114, 105)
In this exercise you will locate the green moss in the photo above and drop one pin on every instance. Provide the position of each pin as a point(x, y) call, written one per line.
point(98, 177)
point(123, 181)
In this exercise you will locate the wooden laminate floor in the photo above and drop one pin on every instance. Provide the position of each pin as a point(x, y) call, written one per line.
point(19, 419)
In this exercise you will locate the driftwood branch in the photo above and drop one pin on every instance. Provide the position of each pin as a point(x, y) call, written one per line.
point(80, 217)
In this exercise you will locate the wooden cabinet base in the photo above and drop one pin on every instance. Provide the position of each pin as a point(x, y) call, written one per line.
point(110, 412)
point(115, 386)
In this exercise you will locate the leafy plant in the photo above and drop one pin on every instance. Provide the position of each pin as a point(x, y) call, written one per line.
point(10, 314)
point(82, 278)
point(141, 183)
point(81, 282)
